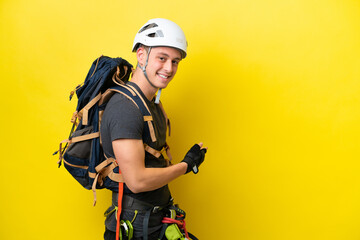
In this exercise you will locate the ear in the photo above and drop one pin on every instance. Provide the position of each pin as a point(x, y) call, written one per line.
point(141, 55)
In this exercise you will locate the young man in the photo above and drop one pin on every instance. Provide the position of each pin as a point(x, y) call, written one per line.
point(160, 45)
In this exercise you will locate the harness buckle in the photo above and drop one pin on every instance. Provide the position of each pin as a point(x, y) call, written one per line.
point(156, 209)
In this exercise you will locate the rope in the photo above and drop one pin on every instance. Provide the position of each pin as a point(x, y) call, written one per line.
point(181, 224)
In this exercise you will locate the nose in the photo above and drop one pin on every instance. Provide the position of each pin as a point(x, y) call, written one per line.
point(168, 67)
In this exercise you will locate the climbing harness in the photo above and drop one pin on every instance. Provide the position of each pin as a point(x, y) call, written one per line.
point(173, 224)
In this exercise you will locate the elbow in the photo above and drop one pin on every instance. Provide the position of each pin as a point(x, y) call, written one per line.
point(136, 187)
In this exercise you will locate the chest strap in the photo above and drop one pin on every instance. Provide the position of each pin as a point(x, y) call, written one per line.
point(165, 152)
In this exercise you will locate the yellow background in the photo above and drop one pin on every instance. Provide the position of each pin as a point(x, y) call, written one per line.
point(271, 87)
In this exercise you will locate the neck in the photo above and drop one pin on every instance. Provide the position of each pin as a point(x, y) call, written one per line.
point(140, 80)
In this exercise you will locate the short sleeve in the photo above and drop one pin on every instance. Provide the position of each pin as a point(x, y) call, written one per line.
point(121, 120)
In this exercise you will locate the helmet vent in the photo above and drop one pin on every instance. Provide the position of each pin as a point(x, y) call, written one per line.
point(152, 25)
point(160, 33)
point(156, 34)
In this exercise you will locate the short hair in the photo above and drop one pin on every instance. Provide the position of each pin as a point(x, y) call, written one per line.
point(143, 46)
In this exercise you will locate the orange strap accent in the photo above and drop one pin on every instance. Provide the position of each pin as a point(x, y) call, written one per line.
point(148, 118)
point(152, 151)
point(74, 140)
point(105, 169)
point(152, 131)
point(105, 172)
point(84, 137)
point(116, 77)
point(151, 127)
point(116, 177)
point(101, 113)
point(92, 175)
point(127, 97)
point(73, 165)
point(108, 171)
point(102, 165)
point(130, 90)
point(74, 117)
point(99, 169)
point(165, 152)
point(96, 66)
point(139, 96)
point(60, 150)
point(120, 197)
point(106, 96)
point(94, 188)
point(85, 111)
point(169, 156)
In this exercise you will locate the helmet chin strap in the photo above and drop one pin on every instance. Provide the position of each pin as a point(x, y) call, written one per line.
point(157, 100)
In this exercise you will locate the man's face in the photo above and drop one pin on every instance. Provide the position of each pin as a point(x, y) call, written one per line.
point(162, 65)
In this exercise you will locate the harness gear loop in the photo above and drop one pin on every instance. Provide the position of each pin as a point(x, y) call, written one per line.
point(180, 223)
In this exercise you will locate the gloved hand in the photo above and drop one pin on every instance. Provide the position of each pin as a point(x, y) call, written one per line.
point(194, 157)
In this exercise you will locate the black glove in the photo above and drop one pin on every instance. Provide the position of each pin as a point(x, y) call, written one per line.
point(194, 157)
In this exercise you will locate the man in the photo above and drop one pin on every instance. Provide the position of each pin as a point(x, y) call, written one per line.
point(160, 45)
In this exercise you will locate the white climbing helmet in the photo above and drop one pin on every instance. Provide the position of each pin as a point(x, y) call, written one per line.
point(161, 32)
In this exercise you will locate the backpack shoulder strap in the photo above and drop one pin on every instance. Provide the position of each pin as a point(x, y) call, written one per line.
point(132, 94)
point(167, 120)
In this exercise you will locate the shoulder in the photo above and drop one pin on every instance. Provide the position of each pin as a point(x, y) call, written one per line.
point(122, 118)
point(120, 108)
point(120, 102)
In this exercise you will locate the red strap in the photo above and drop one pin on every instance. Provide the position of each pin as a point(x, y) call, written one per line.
point(120, 196)
point(181, 224)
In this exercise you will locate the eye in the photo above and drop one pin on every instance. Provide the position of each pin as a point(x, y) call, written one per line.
point(162, 59)
point(175, 62)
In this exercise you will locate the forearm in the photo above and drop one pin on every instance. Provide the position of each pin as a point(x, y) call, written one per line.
point(130, 156)
point(150, 179)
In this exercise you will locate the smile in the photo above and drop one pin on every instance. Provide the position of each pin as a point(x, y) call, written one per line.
point(163, 76)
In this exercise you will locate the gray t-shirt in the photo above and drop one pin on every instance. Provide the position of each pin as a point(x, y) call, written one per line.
point(123, 120)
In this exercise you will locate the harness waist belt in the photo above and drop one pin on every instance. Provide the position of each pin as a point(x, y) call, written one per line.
point(135, 204)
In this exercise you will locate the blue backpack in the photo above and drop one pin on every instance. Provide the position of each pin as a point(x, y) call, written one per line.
point(82, 153)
